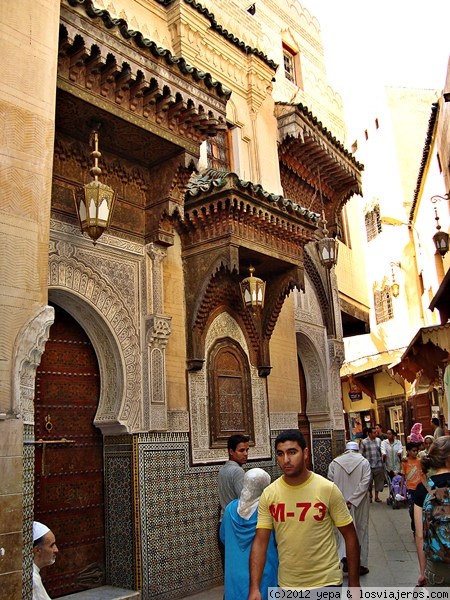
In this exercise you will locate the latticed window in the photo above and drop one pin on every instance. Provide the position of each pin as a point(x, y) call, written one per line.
point(384, 310)
point(289, 64)
point(218, 151)
point(342, 228)
point(372, 220)
point(230, 401)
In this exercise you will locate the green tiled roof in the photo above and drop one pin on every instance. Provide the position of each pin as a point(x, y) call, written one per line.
point(314, 121)
point(211, 179)
point(425, 155)
point(157, 51)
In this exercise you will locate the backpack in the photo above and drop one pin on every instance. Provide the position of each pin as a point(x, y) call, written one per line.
point(436, 524)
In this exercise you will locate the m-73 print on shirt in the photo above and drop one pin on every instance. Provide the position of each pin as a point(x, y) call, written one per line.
point(317, 511)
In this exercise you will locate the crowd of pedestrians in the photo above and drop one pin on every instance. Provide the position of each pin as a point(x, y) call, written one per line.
point(325, 521)
point(304, 531)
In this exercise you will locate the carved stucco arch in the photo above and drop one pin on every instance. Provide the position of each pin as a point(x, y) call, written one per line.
point(315, 374)
point(28, 350)
point(90, 300)
point(312, 348)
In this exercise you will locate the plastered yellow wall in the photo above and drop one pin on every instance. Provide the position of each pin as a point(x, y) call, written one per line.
point(385, 386)
point(283, 382)
point(176, 346)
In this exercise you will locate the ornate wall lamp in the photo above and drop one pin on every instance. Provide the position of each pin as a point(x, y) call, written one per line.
point(253, 290)
point(440, 238)
point(95, 200)
point(395, 288)
point(327, 247)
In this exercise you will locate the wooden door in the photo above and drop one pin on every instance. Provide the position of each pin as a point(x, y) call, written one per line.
point(421, 411)
point(69, 475)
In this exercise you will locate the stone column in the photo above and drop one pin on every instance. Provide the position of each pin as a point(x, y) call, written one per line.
point(336, 354)
point(157, 332)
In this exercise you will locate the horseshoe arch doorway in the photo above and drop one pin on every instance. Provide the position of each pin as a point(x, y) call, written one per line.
point(68, 478)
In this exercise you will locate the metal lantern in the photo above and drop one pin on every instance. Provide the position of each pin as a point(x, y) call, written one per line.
point(94, 201)
point(253, 291)
point(395, 287)
point(327, 247)
point(328, 251)
point(440, 238)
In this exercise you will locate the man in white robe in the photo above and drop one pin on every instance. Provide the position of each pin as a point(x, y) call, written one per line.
point(351, 473)
point(44, 554)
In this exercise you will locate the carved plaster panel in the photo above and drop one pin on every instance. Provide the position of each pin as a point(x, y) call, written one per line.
point(123, 243)
point(178, 420)
point(336, 352)
point(316, 373)
point(157, 332)
point(224, 326)
point(28, 349)
point(279, 421)
point(314, 352)
point(156, 254)
point(89, 285)
point(238, 71)
point(307, 307)
point(336, 306)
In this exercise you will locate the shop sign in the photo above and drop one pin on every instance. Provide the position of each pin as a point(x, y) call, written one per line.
point(355, 393)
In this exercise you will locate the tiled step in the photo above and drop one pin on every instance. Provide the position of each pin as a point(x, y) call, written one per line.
point(106, 592)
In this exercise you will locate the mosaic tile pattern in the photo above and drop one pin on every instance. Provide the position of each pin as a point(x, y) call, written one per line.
point(28, 511)
point(338, 441)
point(179, 510)
point(178, 520)
point(322, 449)
point(120, 547)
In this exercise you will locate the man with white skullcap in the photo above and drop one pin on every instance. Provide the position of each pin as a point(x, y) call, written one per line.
point(351, 473)
point(44, 554)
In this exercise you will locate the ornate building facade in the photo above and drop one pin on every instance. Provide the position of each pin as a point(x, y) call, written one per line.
point(127, 363)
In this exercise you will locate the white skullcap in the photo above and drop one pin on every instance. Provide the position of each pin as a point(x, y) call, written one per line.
point(255, 480)
point(39, 529)
point(351, 446)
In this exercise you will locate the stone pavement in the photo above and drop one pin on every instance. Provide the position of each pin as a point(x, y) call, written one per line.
point(392, 551)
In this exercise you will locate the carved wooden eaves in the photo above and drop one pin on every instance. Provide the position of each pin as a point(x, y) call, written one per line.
point(316, 170)
point(104, 62)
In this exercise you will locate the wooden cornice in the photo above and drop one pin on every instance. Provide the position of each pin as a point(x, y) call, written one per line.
point(130, 74)
point(313, 163)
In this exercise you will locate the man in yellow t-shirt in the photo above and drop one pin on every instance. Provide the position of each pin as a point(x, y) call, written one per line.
point(302, 508)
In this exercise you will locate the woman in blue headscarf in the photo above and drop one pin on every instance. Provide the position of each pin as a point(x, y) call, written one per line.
point(237, 531)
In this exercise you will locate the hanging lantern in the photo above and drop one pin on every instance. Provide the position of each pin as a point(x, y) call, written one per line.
point(327, 247)
point(440, 238)
point(253, 291)
point(94, 201)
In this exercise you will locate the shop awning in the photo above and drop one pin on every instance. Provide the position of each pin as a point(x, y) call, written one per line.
point(428, 351)
point(371, 364)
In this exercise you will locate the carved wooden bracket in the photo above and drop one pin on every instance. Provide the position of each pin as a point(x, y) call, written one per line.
point(166, 197)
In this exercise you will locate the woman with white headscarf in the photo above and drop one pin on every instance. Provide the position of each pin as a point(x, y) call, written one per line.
point(237, 531)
